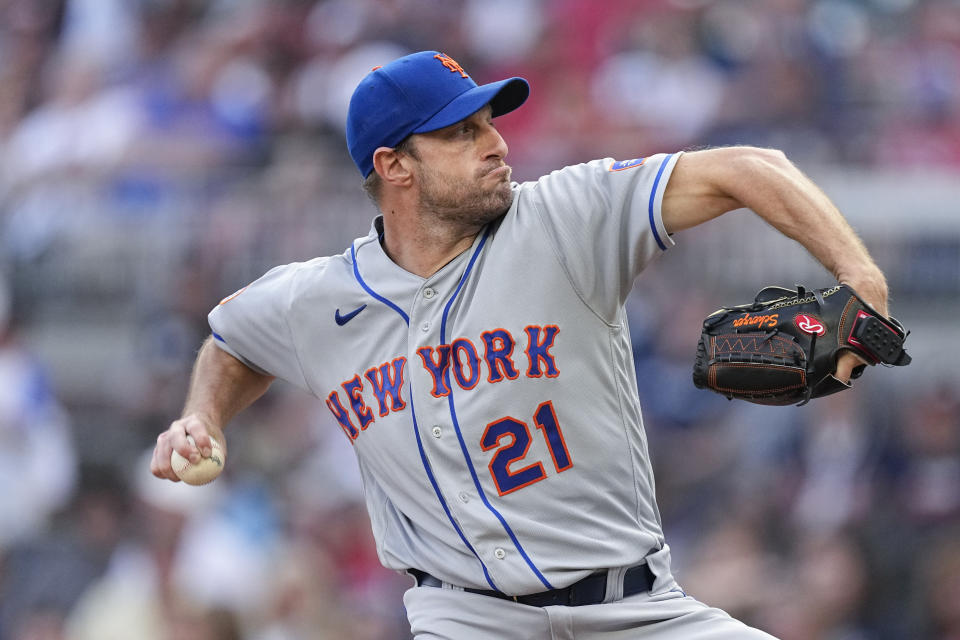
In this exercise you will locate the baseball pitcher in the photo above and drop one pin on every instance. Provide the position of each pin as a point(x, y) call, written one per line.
point(473, 347)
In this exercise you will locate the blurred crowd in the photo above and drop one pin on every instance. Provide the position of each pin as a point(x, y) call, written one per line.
point(156, 155)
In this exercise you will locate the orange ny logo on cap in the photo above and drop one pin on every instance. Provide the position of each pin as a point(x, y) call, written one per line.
point(451, 64)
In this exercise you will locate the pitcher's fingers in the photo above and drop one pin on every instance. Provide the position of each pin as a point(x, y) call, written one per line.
point(846, 363)
point(179, 442)
point(160, 462)
point(198, 429)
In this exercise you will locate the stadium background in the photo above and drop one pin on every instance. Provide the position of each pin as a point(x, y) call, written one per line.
point(155, 155)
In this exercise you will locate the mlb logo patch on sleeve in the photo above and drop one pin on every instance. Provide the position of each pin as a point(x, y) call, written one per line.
point(620, 165)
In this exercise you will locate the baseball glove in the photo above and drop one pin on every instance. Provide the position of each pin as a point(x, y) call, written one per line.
point(782, 349)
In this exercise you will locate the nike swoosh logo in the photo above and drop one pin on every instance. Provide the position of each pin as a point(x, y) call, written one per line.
point(344, 319)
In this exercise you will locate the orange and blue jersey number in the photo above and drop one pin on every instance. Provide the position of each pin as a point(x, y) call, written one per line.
point(512, 438)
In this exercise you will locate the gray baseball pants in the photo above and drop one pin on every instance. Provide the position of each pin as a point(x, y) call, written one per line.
point(664, 614)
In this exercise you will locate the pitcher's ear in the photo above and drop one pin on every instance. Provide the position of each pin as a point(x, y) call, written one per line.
point(393, 166)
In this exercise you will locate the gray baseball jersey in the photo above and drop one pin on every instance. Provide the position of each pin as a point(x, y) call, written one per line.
point(493, 406)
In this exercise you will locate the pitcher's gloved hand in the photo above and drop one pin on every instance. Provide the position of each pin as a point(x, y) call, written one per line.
point(783, 348)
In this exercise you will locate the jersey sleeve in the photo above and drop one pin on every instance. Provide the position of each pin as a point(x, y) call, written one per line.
point(252, 326)
point(604, 219)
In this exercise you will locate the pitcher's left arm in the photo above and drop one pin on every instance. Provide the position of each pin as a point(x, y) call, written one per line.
point(708, 183)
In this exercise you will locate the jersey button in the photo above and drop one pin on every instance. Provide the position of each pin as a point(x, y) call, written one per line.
point(425, 327)
point(463, 496)
point(429, 293)
point(499, 553)
point(436, 431)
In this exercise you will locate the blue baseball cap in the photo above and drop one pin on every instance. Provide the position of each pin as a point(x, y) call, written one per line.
point(418, 93)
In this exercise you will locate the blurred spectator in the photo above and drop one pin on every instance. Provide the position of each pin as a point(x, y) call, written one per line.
point(138, 591)
point(80, 131)
point(661, 85)
point(941, 587)
point(157, 155)
point(927, 459)
point(43, 577)
point(824, 597)
point(37, 459)
point(835, 452)
point(730, 561)
point(499, 31)
point(106, 30)
point(924, 128)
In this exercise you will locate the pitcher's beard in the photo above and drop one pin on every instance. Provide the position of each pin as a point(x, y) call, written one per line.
point(468, 204)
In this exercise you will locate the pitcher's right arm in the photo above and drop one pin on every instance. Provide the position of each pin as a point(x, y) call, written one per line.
point(220, 387)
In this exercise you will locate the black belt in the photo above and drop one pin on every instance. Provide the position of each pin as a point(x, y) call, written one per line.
point(590, 590)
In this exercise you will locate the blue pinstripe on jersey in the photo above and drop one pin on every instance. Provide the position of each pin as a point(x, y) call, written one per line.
point(436, 489)
point(456, 423)
point(416, 428)
point(356, 273)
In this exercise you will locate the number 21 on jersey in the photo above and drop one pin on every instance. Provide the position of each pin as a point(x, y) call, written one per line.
point(512, 438)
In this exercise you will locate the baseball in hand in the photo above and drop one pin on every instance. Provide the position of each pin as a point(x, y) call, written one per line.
point(202, 472)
